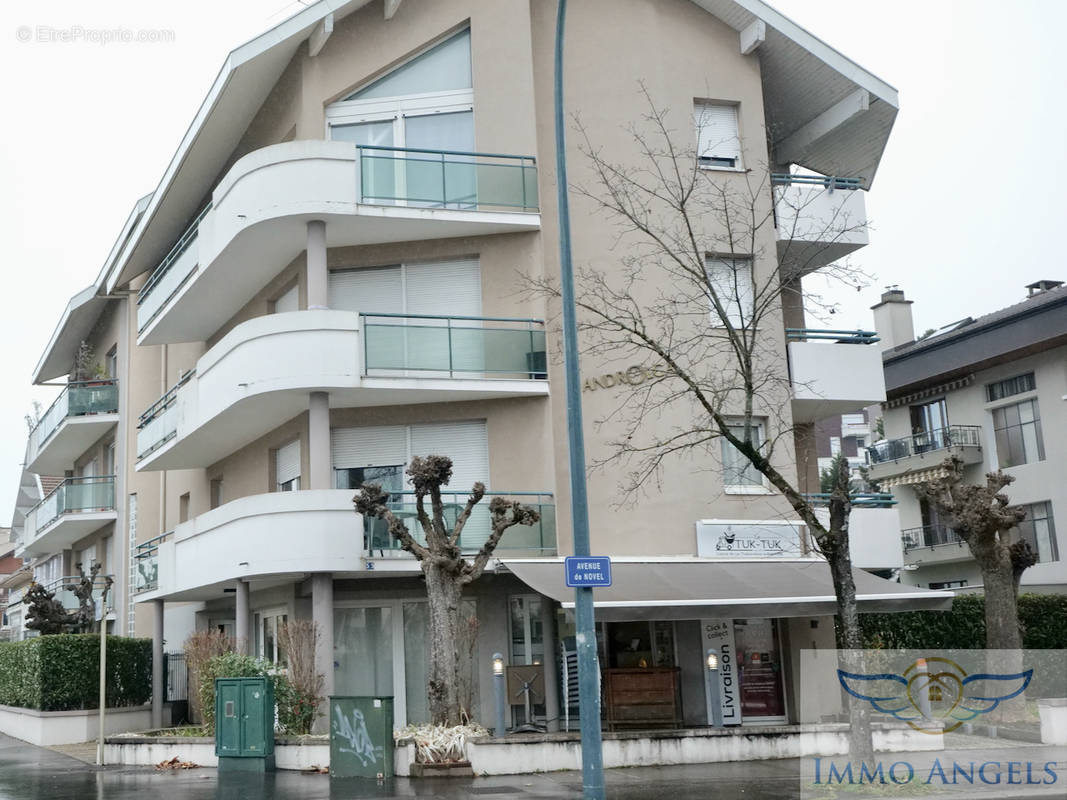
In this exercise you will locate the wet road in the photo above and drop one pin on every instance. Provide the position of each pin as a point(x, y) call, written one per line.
point(34, 773)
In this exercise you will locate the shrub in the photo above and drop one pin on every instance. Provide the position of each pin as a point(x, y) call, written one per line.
point(199, 648)
point(61, 672)
point(1043, 617)
point(227, 665)
point(298, 705)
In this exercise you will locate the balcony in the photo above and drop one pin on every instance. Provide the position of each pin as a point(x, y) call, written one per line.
point(82, 413)
point(63, 591)
point(933, 544)
point(257, 220)
point(819, 220)
point(146, 562)
point(919, 456)
point(833, 372)
point(874, 529)
point(262, 372)
point(534, 540)
point(71, 511)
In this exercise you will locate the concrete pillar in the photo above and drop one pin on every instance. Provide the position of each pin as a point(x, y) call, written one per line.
point(242, 629)
point(322, 615)
point(157, 664)
point(318, 294)
point(319, 463)
point(548, 630)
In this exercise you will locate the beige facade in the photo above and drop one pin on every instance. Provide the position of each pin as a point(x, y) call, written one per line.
point(200, 525)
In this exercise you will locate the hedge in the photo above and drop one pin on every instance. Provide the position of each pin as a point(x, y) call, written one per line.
point(61, 673)
point(1043, 616)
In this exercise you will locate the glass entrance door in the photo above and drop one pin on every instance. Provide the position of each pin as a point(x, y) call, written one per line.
point(759, 662)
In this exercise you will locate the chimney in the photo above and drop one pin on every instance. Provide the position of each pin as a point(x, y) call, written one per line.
point(1038, 287)
point(892, 319)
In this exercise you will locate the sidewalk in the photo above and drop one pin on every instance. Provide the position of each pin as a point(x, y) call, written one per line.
point(36, 773)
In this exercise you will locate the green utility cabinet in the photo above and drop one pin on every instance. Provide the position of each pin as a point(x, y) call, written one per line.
point(361, 737)
point(244, 724)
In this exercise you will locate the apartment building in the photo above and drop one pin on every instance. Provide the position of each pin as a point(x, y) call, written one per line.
point(324, 284)
point(992, 391)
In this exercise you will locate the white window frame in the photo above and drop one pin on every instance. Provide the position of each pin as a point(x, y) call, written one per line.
point(735, 312)
point(261, 616)
point(698, 110)
point(744, 488)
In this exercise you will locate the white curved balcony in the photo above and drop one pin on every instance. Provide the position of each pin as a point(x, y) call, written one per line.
point(266, 539)
point(261, 373)
point(257, 221)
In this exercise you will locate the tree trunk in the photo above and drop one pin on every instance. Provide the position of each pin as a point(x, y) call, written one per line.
point(443, 592)
point(1001, 612)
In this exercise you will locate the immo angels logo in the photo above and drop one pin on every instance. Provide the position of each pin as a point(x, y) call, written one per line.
point(934, 694)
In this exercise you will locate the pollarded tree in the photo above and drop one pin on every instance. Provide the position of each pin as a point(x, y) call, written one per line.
point(982, 517)
point(446, 569)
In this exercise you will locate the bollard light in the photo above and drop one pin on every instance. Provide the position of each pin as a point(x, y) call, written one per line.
point(498, 691)
point(712, 660)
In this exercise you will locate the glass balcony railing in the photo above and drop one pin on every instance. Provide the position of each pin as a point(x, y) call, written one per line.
point(79, 399)
point(454, 346)
point(72, 496)
point(447, 179)
point(146, 562)
point(171, 274)
point(159, 424)
point(537, 539)
point(925, 442)
point(63, 591)
point(928, 536)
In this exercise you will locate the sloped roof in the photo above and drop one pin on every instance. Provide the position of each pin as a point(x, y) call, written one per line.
point(806, 82)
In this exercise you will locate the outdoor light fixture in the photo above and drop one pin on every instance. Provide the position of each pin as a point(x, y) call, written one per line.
point(712, 660)
point(498, 691)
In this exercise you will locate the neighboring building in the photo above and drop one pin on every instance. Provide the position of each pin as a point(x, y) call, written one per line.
point(992, 391)
point(847, 435)
point(323, 286)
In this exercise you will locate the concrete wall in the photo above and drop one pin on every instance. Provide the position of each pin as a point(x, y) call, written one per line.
point(47, 728)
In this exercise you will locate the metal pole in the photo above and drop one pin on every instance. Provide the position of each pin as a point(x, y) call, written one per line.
point(588, 668)
point(103, 678)
point(498, 688)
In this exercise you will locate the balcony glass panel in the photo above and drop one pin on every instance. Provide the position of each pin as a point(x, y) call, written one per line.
point(171, 274)
point(146, 559)
point(455, 346)
point(74, 495)
point(78, 399)
point(447, 179)
point(536, 539)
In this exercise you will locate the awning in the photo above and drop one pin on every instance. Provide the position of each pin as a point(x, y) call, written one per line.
point(701, 588)
point(914, 476)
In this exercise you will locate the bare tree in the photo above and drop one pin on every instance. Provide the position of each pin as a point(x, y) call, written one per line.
point(982, 517)
point(48, 615)
point(443, 564)
point(702, 280)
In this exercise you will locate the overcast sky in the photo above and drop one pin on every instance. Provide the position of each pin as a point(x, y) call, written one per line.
point(965, 211)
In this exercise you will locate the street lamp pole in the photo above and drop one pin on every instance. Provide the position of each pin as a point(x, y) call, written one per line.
point(588, 668)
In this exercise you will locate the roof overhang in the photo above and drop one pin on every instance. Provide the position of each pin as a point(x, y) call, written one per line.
point(823, 111)
point(74, 325)
point(694, 588)
point(246, 79)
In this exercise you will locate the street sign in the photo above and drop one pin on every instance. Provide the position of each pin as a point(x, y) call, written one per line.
point(588, 571)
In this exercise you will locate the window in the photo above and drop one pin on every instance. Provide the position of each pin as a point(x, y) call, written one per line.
point(1039, 530)
point(738, 474)
point(215, 497)
point(427, 104)
point(183, 508)
point(287, 467)
point(268, 647)
point(731, 281)
point(948, 584)
point(288, 300)
point(1011, 386)
point(718, 143)
point(1018, 434)
point(112, 362)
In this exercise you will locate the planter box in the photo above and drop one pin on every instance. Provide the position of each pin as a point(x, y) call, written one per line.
point(290, 752)
point(1053, 713)
point(70, 727)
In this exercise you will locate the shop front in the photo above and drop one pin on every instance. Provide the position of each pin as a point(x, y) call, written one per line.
point(692, 642)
